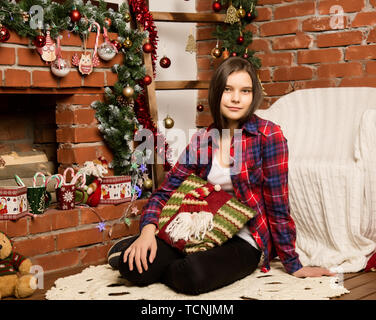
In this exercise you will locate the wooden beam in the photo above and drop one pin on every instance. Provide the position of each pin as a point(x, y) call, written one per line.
point(187, 17)
point(181, 85)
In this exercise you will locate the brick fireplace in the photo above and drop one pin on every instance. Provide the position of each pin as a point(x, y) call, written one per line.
point(42, 115)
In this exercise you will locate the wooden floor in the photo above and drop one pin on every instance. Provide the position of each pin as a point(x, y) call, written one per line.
point(362, 285)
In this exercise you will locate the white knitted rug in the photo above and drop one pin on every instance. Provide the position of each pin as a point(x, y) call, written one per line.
point(103, 283)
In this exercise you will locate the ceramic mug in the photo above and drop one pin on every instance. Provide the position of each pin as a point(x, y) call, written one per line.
point(38, 198)
point(65, 196)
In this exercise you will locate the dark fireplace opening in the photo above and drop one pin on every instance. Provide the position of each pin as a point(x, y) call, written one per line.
point(27, 137)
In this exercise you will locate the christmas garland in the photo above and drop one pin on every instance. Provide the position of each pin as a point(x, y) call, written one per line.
point(125, 110)
point(233, 35)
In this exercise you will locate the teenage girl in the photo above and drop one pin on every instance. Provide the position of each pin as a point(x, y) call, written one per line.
point(235, 93)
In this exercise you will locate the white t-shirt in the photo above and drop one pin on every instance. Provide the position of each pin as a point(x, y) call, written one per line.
point(221, 176)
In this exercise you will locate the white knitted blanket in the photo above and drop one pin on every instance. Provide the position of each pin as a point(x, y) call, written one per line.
point(104, 283)
point(331, 134)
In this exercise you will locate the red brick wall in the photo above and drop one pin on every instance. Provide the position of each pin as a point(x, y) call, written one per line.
point(299, 49)
point(62, 239)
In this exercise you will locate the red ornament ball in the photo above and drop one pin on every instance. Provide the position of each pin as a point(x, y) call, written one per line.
point(245, 55)
point(249, 16)
point(233, 54)
point(165, 62)
point(4, 34)
point(200, 108)
point(147, 47)
point(217, 6)
point(240, 40)
point(147, 80)
point(40, 41)
point(117, 44)
point(75, 15)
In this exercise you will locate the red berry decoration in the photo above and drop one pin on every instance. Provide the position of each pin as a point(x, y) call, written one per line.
point(40, 41)
point(75, 15)
point(240, 40)
point(147, 47)
point(217, 6)
point(147, 80)
point(4, 34)
point(165, 62)
point(200, 108)
point(117, 44)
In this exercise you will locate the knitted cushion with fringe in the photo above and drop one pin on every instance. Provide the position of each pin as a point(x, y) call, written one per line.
point(199, 216)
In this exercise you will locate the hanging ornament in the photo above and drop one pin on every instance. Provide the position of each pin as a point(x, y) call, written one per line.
point(107, 22)
point(39, 41)
point(241, 12)
point(107, 50)
point(87, 61)
point(165, 62)
point(226, 54)
point(147, 80)
point(48, 50)
point(200, 108)
point(147, 47)
point(191, 44)
point(233, 54)
point(216, 52)
point(168, 122)
point(25, 16)
point(231, 15)
point(127, 17)
point(245, 54)
point(249, 16)
point(148, 183)
point(4, 34)
point(60, 67)
point(127, 43)
point(117, 44)
point(217, 6)
point(75, 15)
point(240, 39)
point(128, 91)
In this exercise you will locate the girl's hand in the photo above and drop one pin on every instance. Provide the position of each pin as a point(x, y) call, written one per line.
point(312, 272)
point(137, 251)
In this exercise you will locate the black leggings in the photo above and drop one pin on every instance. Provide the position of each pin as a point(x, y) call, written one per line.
point(198, 272)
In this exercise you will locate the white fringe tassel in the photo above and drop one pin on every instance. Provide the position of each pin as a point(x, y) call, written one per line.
point(187, 225)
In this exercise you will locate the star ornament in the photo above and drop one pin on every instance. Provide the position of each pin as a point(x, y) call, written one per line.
point(101, 226)
point(143, 168)
point(135, 211)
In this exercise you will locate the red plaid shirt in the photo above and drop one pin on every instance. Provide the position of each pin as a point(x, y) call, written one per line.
point(260, 181)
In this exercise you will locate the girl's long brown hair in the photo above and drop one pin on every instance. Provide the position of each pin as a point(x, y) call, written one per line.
point(218, 84)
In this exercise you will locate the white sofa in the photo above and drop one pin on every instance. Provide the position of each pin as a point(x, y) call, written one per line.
point(331, 135)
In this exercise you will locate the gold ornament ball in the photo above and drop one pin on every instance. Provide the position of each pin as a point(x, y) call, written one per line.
point(241, 12)
point(216, 52)
point(128, 43)
point(127, 17)
point(148, 183)
point(168, 122)
point(128, 92)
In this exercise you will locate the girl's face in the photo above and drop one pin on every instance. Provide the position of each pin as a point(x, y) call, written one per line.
point(236, 97)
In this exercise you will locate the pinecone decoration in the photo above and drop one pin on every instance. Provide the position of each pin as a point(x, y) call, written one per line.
point(122, 101)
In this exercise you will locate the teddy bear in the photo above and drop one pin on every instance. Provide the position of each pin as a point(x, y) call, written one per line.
point(12, 263)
